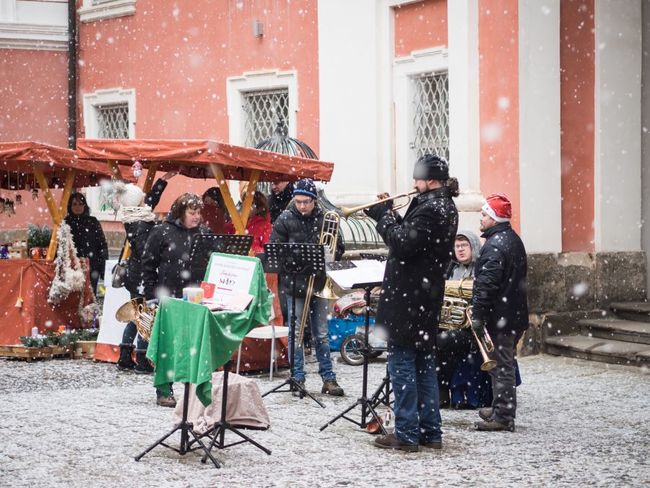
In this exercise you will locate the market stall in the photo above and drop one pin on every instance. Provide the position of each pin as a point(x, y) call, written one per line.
point(200, 159)
point(24, 305)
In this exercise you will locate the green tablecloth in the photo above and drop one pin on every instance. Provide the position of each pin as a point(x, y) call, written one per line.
point(188, 342)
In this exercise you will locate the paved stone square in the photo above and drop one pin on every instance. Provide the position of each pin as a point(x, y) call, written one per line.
point(77, 423)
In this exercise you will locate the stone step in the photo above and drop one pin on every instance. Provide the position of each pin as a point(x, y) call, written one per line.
point(638, 311)
point(616, 329)
point(596, 349)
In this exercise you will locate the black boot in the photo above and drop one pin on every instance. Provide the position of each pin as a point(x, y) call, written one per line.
point(125, 362)
point(142, 364)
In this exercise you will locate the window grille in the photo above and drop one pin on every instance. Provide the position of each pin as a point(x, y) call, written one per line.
point(431, 114)
point(113, 121)
point(262, 111)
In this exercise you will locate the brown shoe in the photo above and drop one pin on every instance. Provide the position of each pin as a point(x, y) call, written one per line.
point(331, 387)
point(485, 413)
point(391, 442)
point(432, 445)
point(163, 401)
point(495, 426)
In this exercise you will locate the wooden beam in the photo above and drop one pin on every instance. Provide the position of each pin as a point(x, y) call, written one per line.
point(240, 228)
point(250, 193)
point(115, 169)
point(52, 207)
point(63, 209)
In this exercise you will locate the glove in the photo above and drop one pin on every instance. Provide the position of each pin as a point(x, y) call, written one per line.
point(479, 328)
point(376, 212)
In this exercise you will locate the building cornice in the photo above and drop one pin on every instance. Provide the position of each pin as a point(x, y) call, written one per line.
point(33, 36)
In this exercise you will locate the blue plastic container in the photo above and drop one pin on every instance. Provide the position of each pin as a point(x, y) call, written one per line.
point(339, 329)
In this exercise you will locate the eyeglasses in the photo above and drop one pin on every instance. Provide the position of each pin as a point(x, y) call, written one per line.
point(303, 203)
point(462, 245)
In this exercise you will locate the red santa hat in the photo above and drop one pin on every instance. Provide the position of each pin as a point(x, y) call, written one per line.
point(498, 207)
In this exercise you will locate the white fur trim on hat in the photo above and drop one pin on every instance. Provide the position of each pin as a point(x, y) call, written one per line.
point(490, 211)
point(128, 194)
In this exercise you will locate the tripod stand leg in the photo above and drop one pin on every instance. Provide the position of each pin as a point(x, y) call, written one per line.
point(158, 442)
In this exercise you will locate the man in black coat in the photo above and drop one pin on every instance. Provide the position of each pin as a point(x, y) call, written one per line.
point(500, 305)
point(420, 247)
point(279, 198)
point(302, 222)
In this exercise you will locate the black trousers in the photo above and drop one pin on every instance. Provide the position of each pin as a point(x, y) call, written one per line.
point(504, 393)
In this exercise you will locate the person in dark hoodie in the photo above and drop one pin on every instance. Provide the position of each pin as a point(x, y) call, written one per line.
point(279, 198)
point(88, 236)
point(135, 211)
point(302, 222)
point(462, 383)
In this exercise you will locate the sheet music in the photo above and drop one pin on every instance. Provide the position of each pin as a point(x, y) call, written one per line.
point(361, 271)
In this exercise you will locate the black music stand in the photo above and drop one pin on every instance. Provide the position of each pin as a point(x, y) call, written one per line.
point(201, 251)
point(218, 431)
point(295, 259)
point(367, 405)
point(187, 431)
point(204, 245)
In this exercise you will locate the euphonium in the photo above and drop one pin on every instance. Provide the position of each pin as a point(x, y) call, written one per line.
point(456, 313)
point(328, 237)
point(137, 311)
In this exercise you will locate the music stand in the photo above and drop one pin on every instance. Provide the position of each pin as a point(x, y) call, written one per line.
point(203, 245)
point(201, 250)
point(367, 405)
point(218, 430)
point(295, 259)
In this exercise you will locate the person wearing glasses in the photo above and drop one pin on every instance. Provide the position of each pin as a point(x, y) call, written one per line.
point(301, 222)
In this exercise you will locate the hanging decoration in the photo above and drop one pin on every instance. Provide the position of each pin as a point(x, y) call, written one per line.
point(34, 193)
point(19, 199)
point(137, 169)
point(69, 274)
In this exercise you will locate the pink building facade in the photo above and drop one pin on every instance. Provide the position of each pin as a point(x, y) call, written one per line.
point(547, 102)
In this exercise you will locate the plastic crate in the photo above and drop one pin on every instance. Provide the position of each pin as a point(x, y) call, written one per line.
point(340, 328)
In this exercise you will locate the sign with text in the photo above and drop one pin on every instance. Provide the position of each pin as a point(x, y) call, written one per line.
point(230, 274)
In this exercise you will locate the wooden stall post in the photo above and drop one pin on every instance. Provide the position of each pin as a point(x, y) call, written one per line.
point(227, 198)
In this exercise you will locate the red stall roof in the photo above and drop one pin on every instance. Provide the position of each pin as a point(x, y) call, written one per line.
point(17, 160)
point(193, 158)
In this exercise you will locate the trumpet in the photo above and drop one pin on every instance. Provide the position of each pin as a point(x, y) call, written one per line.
point(347, 211)
point(485, 345)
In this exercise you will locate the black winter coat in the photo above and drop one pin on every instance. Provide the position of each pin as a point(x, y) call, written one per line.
point(278, 201)
point(292, 226)
point(420, 248)
point(137, 234)
point(499, 295)
point(89, 239)
point(166, 258)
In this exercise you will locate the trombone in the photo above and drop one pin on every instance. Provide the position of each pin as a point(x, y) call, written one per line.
point(347, 211)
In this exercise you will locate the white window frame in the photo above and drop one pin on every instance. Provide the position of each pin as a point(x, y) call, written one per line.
point(34, 25)
point(91, 101)
point(418, 63)
point(93, 10)
point(238, 86)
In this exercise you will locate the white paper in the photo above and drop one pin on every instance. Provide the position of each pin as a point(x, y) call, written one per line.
point(230, 274)
point(364, 271)
point(233, 302)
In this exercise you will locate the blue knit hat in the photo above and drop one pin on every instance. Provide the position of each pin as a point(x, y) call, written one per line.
point(306, 187)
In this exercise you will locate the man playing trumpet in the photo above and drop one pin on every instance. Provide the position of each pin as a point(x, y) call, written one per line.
point(420, 249)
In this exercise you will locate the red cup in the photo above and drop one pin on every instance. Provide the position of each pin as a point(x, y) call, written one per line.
point(208, 289)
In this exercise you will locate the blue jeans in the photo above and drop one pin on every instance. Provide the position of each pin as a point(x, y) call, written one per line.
point(320, 337)
point(415, 385)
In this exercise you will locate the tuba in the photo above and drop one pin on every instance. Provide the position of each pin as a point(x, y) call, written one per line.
point(328, 237)
point(137, 311)
point(456, 313)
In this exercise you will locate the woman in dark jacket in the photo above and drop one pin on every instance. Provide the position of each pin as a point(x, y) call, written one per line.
point(166, 262)
point(135, 211)
point(88, 236)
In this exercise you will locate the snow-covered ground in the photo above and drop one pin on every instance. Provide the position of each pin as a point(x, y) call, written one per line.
point(79, 424)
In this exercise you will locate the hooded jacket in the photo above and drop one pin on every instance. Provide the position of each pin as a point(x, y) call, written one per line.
point(459, 271)
point(499, 296)
point(292, 226)
point(87, 235)
point(420, 247)
point(166, 258)
point(137, 234)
